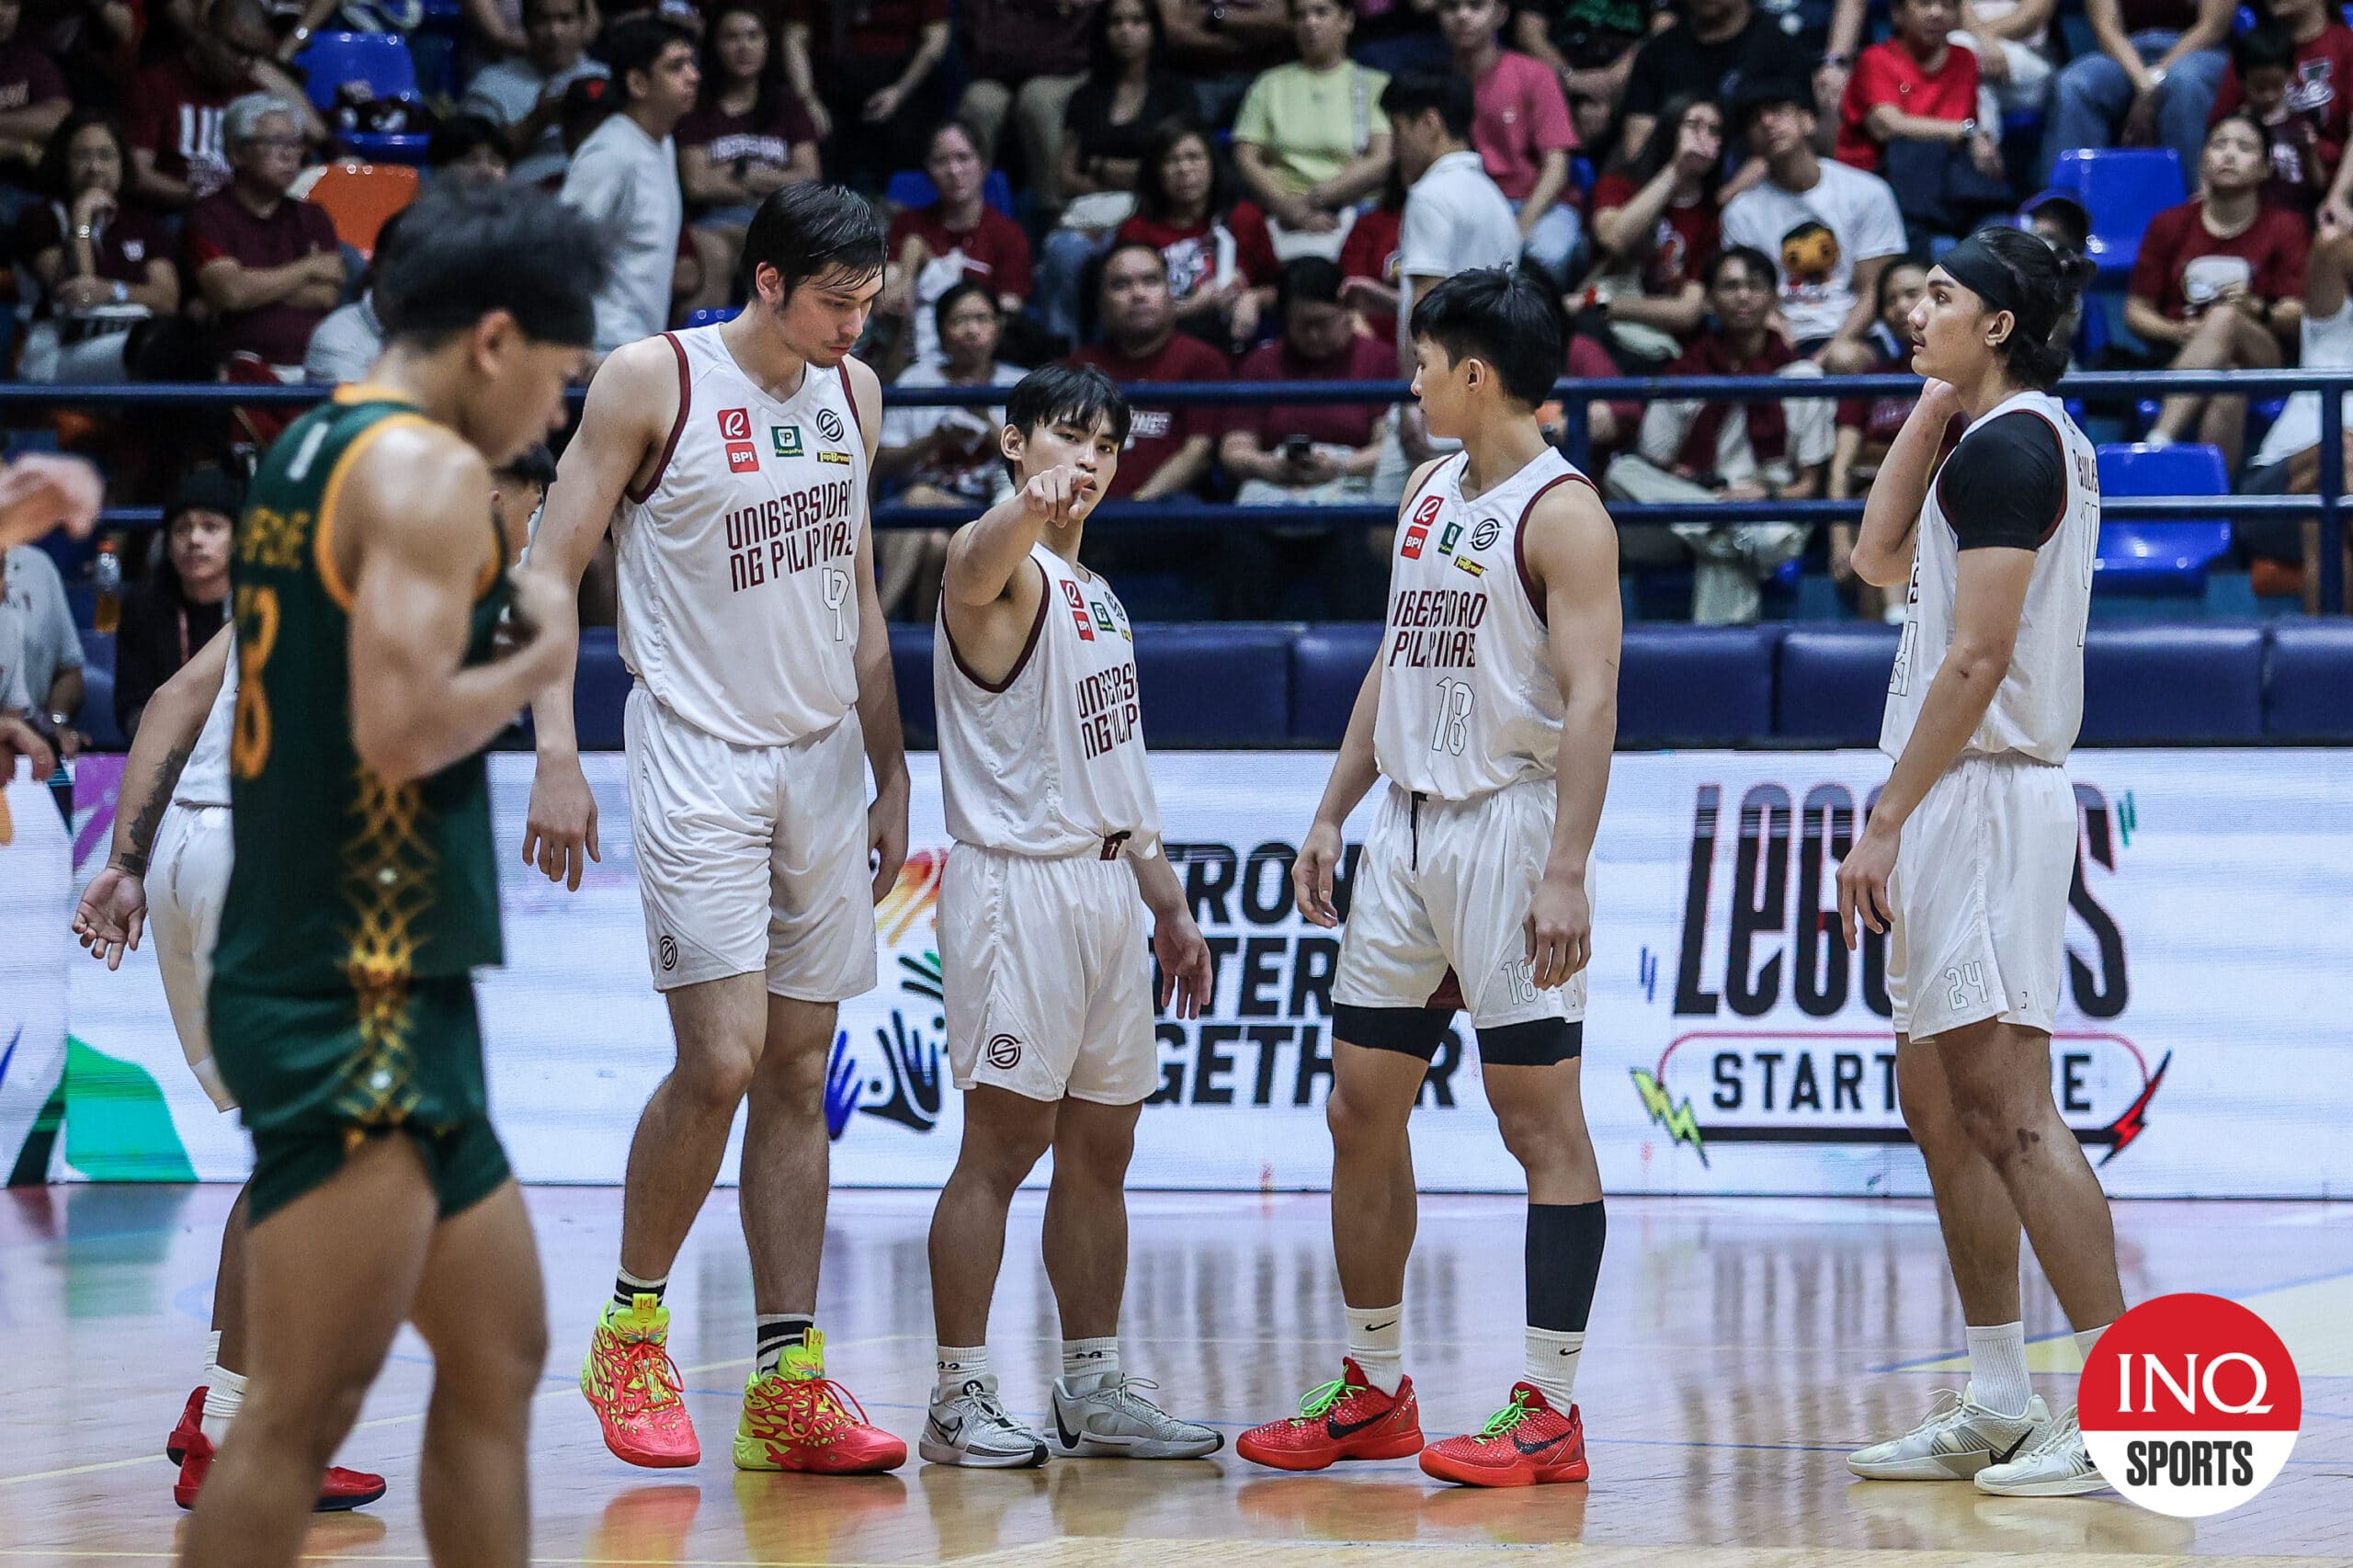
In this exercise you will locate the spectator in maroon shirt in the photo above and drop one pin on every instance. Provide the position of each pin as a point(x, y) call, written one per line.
point(268, 264)
point(32, 97)
point(746, 138)
point(1220, 252)
point(1168, 449)
point(104, 263)
point(875, 76)
point(1026, 59)
point(958, 236)
point(1656, 228)
point(2296, 73)
point(2220, 283)
point(177, 105)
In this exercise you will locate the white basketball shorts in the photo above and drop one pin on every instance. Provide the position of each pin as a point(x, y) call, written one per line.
point(1048, 977)
point(1980, 898)
point(188, 877)
point(751, 859)
point(1442, 893)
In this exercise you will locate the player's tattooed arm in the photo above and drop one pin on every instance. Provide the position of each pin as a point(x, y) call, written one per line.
point(167, 731)
point(1572, 548)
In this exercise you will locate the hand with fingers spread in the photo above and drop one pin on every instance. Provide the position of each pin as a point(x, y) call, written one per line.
point(1559, 929)
point(1862, 882)
point(1311, 875)
point(111, 914)
point(1184, 958)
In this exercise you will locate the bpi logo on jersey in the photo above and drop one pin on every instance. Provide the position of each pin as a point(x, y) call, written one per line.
point(2189, 1405)
point(1078, 611)
point(735, 429)
point(1417, 532)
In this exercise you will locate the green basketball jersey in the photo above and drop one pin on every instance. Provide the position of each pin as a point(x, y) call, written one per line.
point(342, 880)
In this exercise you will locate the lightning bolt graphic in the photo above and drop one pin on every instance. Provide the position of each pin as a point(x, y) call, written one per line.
point(2134, 1121)
point(1681, 1126)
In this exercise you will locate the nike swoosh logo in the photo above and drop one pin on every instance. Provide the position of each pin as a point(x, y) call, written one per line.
point(1377, 1327)
point(1532, 1450)
point(1335, 1428)
point(2011, 1453)
point(1070, 1438)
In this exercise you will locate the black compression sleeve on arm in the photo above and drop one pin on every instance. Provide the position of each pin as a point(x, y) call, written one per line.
point(2005, 485)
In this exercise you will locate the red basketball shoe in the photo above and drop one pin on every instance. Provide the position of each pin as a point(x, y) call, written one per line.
point(634, 1388)
point(339, 1490)
point(1527, 1443)
point(1345, 1419)
point(191, 1426)
point(798, 1418)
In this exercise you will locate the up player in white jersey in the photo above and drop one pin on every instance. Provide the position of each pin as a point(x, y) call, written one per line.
point(1490, 709)
point(1968, 855)
point(1041, 935)
point(731, 462)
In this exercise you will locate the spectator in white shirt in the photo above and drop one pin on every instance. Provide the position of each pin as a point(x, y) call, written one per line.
point(625, 176)
point(525, 93)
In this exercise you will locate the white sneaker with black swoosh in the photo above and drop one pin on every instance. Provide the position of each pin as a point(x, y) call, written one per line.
point(1104, 1418)
point(1959, 1438)
point(2056, 1464)
point(970, 1427)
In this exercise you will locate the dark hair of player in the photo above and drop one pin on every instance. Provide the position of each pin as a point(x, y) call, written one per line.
point(1761, 266)
point(1307, 280)
point(810, 232)
point(1417, 92)
point(634, 43)
point(1067, 394)
point(466, 249)
point(2011, 270)
point(534, 465)
point(1502, 316)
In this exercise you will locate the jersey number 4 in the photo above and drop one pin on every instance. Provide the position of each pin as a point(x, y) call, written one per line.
point(1454, 702)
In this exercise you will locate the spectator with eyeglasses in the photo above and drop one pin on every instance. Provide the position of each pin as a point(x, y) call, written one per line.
point(179, 151)
point(268, 264)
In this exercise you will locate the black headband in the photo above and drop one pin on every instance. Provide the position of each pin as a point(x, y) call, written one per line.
point(1973, 266)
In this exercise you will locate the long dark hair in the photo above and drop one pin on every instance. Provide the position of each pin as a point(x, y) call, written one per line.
point(1659, 150)
point(1151, 191)
point(769, 87)
point(2049, 284)
point(1103, 67)
point(55, 175)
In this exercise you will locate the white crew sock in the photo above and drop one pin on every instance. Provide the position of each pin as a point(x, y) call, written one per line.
point(1090, 1362)
point(1551, 1364)
point(1998, 1368)
point(2087, 1340)
point(1376, 1344)
point(211, 1356)
point(221, 1397)
point(958, 1365)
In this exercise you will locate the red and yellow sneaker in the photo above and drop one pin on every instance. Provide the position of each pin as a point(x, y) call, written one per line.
point(1344, 1419)
point(798, 1418)
point(1527, 1443)
point(191, 1426)
point(339, 1490)
point(634, 1386)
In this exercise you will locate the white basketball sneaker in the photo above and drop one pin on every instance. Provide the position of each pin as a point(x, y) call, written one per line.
point(1107, 1418)
point(2055, 1465)
point(971, 1428)
point(1959, 1438)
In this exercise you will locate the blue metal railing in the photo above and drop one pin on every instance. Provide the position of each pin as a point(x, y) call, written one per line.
point(2094, 387)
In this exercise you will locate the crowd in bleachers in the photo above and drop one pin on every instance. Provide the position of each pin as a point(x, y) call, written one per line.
point(1211, 189)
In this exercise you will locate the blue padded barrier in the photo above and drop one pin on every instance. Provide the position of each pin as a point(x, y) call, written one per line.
point(1695, 684)
point(1831, 684)
point(2308, 692)
point(1220, 683)
point(1327, 666)
point(2151, 684)
point(599, 690)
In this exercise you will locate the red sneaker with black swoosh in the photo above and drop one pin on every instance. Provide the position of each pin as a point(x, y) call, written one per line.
point(1344, 1419)
point(1527, 1443)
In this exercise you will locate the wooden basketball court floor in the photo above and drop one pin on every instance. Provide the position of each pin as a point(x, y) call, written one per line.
point(1739, 1348)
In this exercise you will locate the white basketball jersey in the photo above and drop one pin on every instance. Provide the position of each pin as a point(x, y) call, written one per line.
point(738, 594)
point(205, 780)
point(2039, 705)
point(1050, 761)
point(1468, 702)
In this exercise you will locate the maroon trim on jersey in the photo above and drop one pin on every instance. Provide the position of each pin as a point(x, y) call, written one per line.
point(1448, 994)
point(850, 397)
point(645, 493)
point(1519, 540)
point(1036, 630)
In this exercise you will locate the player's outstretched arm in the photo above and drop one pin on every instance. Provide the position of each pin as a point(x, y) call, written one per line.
point(878, 690)
point(1572, 548)
point(632, 403)
point(985, 556)
point(1882, 555)
point(415, 546)
point(113, 908)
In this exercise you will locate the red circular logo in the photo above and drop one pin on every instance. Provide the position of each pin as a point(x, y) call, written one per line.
point(2189, 1405)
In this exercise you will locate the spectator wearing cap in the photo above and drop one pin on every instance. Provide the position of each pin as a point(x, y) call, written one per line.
point(870, 70)
point(184, 599)
point(35, 618)
point(2061, 221)
point(103, 261)
point(525, 93)
point(178, 106)
point(468, 146)
point(2154, 77)
point(267, 265)
point(1716, 46)
point(625, 176)
point(1831, 227)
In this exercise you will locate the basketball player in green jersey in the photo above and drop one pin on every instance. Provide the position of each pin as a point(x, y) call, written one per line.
point(381, 645)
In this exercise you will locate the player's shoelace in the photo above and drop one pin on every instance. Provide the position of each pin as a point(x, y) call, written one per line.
point(1948, 1403)
point(649, 1378)
point(1317, 1401)
point(1121, 1393)
point(811, 1409)
point(1508, 1420)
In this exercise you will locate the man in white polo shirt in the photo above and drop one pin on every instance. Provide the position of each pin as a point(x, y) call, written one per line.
point(626, 176)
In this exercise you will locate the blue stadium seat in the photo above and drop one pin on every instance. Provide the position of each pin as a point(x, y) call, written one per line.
point(1328, 666)
point(380, 60)
point(96, 718)
point(912, 188)
point(2168, 556)
point(2122, 189)
point(2309, 693)
point(911, 672)
point(713, 316)
point(599, 690)
point(1215, 684)
point(2152, 684)
point(1831, 685)
point(1696, 685)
